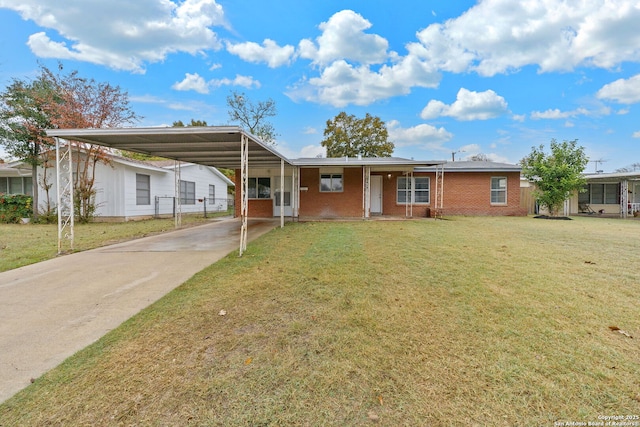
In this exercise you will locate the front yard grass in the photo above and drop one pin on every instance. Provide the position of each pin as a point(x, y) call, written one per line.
point(468, 321)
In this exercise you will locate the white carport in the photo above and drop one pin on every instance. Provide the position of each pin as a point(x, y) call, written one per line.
point(218, 146)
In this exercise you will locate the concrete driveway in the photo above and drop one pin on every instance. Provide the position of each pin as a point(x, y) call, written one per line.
point(52, 309)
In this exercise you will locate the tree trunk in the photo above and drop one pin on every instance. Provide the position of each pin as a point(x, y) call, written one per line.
point(34, 190)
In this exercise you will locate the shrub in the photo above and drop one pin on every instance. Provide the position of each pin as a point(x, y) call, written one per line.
point(13, 207)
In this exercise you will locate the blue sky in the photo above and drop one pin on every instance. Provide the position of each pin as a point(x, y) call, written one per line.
point(494, 77)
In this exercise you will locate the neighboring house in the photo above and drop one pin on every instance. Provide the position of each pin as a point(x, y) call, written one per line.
point(129, 189)
point(364, 187)
point(615, 193)
point(15, 178)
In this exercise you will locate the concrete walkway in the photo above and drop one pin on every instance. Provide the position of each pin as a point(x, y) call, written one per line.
point(52, 309)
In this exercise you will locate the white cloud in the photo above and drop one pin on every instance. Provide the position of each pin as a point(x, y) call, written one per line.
point(623, 91)
point(499, 36)
point(192, 82)
point(636, 134)
point(341, 83)
point(421, 136)
point(552, 114)
point(308, 130)
point(308, 151)
point(121, 34)
point(556, 114)
point(469, 105)
point(197, 83)
point(343, 37)
point(269, 52)
point(313, 151)
point(355, 67)
point(519, 117)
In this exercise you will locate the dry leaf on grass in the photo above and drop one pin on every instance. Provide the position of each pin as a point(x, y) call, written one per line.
point(620, 331)
point(222, 313)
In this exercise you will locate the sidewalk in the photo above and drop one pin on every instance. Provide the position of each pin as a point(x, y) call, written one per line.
point(52, 309)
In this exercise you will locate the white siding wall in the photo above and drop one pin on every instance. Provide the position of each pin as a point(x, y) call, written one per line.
point(116, 189)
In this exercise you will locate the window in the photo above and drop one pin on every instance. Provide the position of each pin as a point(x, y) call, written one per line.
point(413, 190)
point(143, 189)
point(259, 188)
point(331, 182)
point(187, 192)
point(600, 194)
point(498, 191)
point(15, 185)
point(28, 185)
point(3, 185)
point(212, 193)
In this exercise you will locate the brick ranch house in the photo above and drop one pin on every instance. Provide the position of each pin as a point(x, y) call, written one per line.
point(395, 187)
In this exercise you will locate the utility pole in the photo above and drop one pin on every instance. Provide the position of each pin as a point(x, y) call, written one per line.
point(453, 154)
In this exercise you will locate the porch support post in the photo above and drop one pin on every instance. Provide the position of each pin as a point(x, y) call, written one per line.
point(624, 198)
point(413, 190)
point(177, 220)
point(366, 192)
point(295, 192)
point(64, 195)
point(282, 193)
point(439, 202)
point(244, 191)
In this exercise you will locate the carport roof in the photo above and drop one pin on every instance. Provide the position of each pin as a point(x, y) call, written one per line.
point(217, 146)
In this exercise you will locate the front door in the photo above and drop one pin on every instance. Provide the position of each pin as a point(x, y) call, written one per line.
point(287, 196)
point(376, 194)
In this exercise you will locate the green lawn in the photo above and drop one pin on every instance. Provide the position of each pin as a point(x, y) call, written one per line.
point(467, 321)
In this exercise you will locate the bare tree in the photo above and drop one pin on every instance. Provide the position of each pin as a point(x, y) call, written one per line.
point(253, 117)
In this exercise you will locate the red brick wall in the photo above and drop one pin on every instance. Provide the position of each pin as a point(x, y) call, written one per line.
point(390, 205)
point(469, 193)
point(257, 208)
point(465, 193)
point(348, 203)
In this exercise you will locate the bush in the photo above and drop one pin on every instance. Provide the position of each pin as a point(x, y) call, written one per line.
point(13, 207)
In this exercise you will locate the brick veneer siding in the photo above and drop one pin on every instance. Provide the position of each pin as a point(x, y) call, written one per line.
point(315, 203)
point(390, 205)
point(469, 193)
point(257, 208)
point(465, 193)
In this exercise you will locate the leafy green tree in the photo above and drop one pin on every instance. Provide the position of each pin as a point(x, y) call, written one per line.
point(347, 135)
point(557, 174)
point(24, 117)
point(252, 117)
point(180, 124)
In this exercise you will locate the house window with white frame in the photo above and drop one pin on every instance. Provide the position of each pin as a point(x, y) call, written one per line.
point(414, 190)
point(212, 193)
point(498, 190)
point(259, 188)
point(143, 189)
point(187, 192)
point(331, 183)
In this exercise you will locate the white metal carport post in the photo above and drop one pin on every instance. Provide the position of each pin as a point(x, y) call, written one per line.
point(244, 190)
point(64, 190)
point(177, 194)
point(281, 193)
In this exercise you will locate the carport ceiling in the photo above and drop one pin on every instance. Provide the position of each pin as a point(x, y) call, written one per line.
point(218, 146)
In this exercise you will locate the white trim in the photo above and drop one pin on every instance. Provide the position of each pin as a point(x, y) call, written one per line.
point(506, 191)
